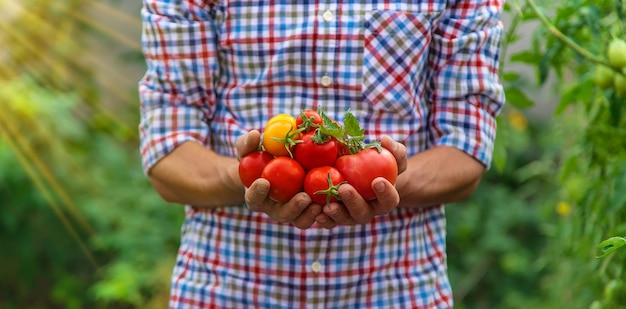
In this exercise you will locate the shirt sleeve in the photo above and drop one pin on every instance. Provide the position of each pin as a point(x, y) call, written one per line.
point(176, 93)
point(464, 89)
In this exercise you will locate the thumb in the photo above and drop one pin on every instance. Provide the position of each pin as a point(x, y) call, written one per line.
point(247, 143)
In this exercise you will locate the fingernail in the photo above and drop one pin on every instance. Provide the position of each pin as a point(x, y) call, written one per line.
point(260, 190)
point(303, 204)
point(321, 220)
point(380, 186)
point(346, 195)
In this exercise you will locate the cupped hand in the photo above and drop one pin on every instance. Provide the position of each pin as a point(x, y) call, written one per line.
point(353, 208)
point(298, 210)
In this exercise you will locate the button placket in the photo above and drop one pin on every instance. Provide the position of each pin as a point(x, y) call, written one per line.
point(327, 27)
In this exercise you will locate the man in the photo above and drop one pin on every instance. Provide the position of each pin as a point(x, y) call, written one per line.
point(419, 75)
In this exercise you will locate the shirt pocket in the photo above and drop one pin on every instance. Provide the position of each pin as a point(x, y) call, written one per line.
point(395, 55)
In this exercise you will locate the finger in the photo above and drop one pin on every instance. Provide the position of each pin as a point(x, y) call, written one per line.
point(306, 219)
point(247, 143)
point(257, 196)
point(387, 197)
point(338, 213)
point(398, 150)
point(357, 207)
point(324, 221)
point(292, 209)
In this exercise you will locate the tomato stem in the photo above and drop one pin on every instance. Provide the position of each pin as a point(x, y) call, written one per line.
point(567, 40)
point(332, 191)
point(290, 139)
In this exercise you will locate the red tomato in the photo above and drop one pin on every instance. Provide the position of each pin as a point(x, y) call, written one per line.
point(360, 169)
point(286, 178)
point(342, 149)
point(322, 183)
point(251, 166)
point(310, 121)
point(313, 152)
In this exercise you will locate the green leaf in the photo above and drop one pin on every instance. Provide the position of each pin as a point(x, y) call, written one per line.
point(514, 7)
point(608, 246)
point(567, 99)
point(528, 57)
point(517, 98)
point(510, 76)
point(331, 128)
point(353, 128)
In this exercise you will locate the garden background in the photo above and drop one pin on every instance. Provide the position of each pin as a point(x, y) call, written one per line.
point(80, 226)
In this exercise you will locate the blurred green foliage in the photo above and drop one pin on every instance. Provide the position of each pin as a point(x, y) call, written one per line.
point(81, 227)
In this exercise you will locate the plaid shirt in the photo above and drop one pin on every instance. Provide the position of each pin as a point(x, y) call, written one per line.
point(422, 72)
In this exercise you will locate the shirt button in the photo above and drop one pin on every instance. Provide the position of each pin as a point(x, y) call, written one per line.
point(316, 267)
point(328, 16)
point(326, 81)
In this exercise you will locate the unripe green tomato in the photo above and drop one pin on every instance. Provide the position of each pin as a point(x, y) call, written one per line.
point(620, 84)
point(612, 288)
point(596, 305)
point(603, 77)
point(617, 53)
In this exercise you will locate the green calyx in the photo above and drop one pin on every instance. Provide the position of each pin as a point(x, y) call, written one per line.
point(290, 139)
point(307, 122)
point(332, 191)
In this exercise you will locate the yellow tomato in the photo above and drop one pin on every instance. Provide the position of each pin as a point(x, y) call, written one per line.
point(280, 135)
point(282, 117)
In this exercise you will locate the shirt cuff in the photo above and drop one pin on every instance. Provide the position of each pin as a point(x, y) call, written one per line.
point(163, 129)
point(472, 131)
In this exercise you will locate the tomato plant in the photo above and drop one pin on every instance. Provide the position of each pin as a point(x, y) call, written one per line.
point(322, 183)
point(316, 150)
point(573, 39)
point(360, 169)
point(286, 178)
point(251, 166)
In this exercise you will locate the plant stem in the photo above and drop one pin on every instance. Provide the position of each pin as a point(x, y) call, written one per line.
point(507, 38)
point(565, 39)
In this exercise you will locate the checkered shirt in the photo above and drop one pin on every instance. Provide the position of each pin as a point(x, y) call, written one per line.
point(422, 72)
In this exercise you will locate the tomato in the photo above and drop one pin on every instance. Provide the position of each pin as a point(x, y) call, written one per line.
point(322, 183)
point(310, 121)
point(286, 178)
point(360, 169)
point(617, 53)
point(315, 150)
point(251, 166)
point(280, 135)
point(603, 77)
point(620, 84)
point(342, 149)
point(613, 289)
point(281, 117)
